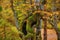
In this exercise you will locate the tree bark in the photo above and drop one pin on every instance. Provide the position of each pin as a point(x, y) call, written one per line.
point(55, 20)
point(38, 30)
point(45, 28)
point(55, 27)
point(16, 21)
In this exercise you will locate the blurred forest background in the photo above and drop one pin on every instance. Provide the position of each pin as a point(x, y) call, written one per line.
point(24, 19)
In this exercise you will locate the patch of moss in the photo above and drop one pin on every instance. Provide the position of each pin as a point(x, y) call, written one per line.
point(0, 8)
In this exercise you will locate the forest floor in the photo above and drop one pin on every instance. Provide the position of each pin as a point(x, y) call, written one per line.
point(51, 34)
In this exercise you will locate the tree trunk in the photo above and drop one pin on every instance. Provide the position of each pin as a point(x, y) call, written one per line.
point(58, 35)
point(55, 27)
point(12, 7)
point(38, 30)
point(45, 28)
point(55, 20)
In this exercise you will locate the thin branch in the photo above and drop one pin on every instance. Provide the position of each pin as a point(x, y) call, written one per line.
point(12, 7)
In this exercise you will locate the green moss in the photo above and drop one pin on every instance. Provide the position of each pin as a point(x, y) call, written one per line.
point(0, 8)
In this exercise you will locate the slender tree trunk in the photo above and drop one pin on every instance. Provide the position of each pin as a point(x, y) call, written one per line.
point(55, 27)
point(55, 20)
point(45, 19)
point(12, 7)
point(45, 28)
point(58, 34)
point(38, 30)
point(15, 16)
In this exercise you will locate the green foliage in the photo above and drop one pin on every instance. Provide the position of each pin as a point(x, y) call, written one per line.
point(28, 28)
point(0, 8)
point(22, 12)
point(29, 35)
point(2, 22)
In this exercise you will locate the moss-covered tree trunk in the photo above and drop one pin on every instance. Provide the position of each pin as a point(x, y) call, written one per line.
point(38, 29)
